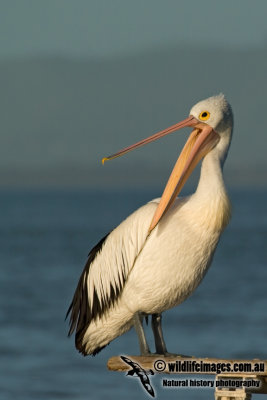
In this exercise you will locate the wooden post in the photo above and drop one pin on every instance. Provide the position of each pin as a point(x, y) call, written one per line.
point(237, 394)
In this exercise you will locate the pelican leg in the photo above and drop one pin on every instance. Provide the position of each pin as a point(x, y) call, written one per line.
point(159, 339)
point(138, 324)
point(158, 334)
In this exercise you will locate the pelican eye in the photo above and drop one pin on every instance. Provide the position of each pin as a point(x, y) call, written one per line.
point(204, 115)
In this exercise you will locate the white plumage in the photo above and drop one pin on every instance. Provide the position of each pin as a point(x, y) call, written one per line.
point(138, 270)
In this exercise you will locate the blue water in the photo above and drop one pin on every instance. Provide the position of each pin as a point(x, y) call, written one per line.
point(44, 240)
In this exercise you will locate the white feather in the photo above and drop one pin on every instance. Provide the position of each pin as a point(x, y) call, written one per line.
point(113, 263)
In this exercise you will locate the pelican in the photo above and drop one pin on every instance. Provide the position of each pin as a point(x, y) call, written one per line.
point(156, 257)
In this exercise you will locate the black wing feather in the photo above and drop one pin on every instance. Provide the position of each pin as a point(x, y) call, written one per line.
point(81, 315)
point(80, 312)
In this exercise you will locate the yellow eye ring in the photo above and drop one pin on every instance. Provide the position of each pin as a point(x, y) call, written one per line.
point(204, 116)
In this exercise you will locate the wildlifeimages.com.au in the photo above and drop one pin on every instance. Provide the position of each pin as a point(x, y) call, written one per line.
point(194, 366)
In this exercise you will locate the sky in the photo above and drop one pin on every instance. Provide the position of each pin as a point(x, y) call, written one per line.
point(103, 27)
point(36, 88)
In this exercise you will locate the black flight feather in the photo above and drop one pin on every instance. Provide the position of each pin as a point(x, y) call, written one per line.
point(80, 312)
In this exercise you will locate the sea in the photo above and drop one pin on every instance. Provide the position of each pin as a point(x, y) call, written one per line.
point(45, 236)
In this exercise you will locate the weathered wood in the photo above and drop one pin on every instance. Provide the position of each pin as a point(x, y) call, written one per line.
point(238, 394)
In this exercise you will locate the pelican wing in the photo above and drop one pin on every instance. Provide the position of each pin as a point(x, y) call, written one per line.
point(108, 266)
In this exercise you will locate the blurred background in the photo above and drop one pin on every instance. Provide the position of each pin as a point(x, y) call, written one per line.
point(80, 80)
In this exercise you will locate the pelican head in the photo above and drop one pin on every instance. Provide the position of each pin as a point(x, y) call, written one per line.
point(215, 112)
point(212, 120)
